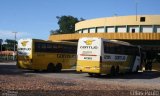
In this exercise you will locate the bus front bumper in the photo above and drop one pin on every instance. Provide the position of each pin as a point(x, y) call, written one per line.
point(88, 69)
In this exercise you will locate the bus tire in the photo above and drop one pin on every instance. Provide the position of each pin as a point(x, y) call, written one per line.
point(97, 74)
point(36, 71)
point(137, 68)
point(90, 74)
point(50, 67)
point(150, 67)
point(117, 70)
point(112, 71)
point(58, 67)
point(146, 67)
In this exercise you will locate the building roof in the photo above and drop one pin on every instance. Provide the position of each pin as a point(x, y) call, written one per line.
point(119, 21)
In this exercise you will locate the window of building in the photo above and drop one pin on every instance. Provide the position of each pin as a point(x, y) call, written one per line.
point(142, 19)
point(92, 30)
point(85, 30)
point(100, 29)
point(121, 29)
point(147, 28)
point(110, 29)
point(79, 31)
point(133, 30)
point(157, 29)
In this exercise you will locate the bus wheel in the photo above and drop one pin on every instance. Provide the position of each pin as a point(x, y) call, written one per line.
point(58, 67)
point(137, 69)
point(150, 67)
point(146, 67)
point(50, 67)
point(90, 74)
point(36, 71)
point(97, 74)
point(117, 70)
point(112, 71)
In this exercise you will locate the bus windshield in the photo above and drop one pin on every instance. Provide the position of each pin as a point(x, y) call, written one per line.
point(24, 47)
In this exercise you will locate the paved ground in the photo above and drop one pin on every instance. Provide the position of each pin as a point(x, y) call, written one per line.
point(69, 82)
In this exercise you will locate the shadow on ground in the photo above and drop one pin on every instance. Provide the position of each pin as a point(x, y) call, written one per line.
point(10, 70)
point(139, 75)
point(13, 70)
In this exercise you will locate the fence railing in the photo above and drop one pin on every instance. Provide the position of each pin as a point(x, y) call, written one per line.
point(7, 58)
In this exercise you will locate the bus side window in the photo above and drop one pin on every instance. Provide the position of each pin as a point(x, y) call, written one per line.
point(49, 47)
point(109, 47)
point(59, 48)
point(54, 48)
point(43, 47)
point(68, 49)
point(122, 49)
point(73, 49)
point(37, 47)
point(105, 47)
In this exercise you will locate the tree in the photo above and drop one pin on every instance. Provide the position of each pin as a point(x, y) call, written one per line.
point(9, 44)
point(66, 25)
point(54, 32)
point(1, 41)
point(1, 44)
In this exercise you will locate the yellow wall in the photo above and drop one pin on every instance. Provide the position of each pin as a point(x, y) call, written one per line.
point(118, 21)
point(129, 36)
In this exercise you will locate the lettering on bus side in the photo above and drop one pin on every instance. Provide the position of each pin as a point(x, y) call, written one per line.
point(107, 57)
point(24, 51)
point(65, 56)
point(27, 49)
point(115, 57)
point(88, 47)
point(123, 58)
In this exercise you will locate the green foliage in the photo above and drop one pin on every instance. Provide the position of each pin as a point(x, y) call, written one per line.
point(1, 44)
point(9, 44)
point(8, 41)
point(66, 25)
point(54, 32)
point(1, 41)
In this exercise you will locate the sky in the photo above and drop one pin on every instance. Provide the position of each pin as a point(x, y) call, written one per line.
point(35, 18)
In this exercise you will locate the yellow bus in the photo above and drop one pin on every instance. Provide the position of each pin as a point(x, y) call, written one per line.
point(155, 63)
point(97, 56)
point(41, 55)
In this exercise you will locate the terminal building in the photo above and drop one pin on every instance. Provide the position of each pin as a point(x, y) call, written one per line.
point(143, 30)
